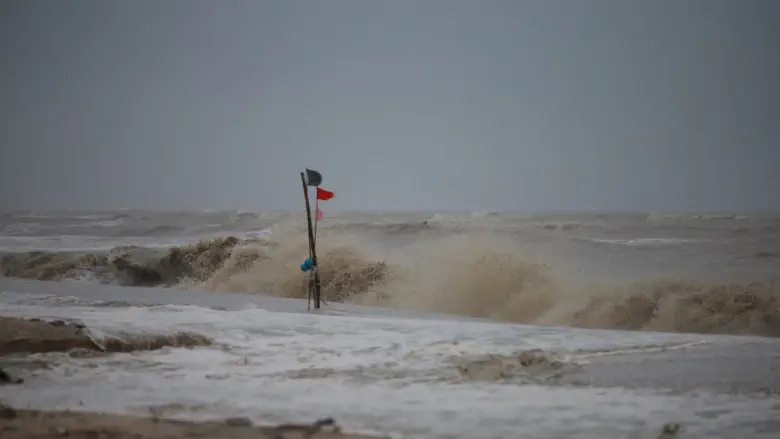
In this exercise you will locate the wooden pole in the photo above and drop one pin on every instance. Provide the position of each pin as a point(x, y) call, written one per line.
point(312, 244)
point(316, 212)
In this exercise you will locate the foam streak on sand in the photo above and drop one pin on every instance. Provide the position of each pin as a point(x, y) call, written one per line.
point(37, 336)
point(417, 377)
point(19, 424)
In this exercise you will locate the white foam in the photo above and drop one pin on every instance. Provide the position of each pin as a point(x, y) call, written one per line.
point(263, 233)
point(370, 373)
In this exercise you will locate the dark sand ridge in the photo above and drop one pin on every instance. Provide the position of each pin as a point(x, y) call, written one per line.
point(37, 336)
point(18, 424)
point(31, 336)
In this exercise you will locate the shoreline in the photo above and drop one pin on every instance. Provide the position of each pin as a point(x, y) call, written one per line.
point(25, 336)
point(26, 423)
point(19, 336)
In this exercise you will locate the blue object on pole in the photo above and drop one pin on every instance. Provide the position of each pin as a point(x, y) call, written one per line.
point(307, 264)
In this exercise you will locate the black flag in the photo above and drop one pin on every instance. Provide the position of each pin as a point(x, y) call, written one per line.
point(313, 178)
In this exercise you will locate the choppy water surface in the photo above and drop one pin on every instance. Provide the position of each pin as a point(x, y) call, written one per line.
point(391, 366)
point(680, 273)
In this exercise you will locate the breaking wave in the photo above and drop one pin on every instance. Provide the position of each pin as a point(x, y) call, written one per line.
point(672, 216)
point(125, 265)
point(468, 274)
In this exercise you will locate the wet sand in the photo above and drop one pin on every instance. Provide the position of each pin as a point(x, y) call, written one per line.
point(18, 424)
point(36, 336)
point(742, 365)
point(39, 336)
point(23, 336)
point(28, 336)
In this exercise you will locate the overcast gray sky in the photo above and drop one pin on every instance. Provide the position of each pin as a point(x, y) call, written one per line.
point(400, 104)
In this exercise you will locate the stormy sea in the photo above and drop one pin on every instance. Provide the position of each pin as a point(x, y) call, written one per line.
point(435, 325)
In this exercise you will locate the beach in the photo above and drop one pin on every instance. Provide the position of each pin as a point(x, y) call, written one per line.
point(18, 424)
point(34, 336)
point(434, 326)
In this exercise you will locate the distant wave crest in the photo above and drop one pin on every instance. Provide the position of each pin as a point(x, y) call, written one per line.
point(672, 216)
point(639, 242)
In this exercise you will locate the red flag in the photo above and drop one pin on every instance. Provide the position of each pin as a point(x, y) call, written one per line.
point(319, 215)
point(323, 194)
